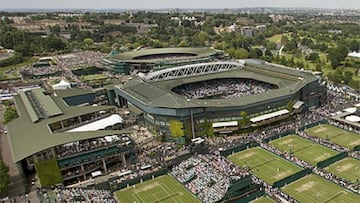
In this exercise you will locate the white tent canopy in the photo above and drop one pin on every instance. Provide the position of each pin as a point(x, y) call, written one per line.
point(96, 173)
point(99, 124)
point(354, 54)
point(269, 115)
point(350, 110)
point(353, 118)
point(298, 104)
point(113, 138)
point(61, 85)
point(225, 124)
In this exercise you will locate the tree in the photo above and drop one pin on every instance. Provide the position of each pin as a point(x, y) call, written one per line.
point(336, 76)
point(54, 44)
point(4, 179)
point(244, 121)
point(337, 55)
point(240, 53)
point(291, 46)
point(354, 84)
point(209, 129)
point(183, 43)
point(10, 114)
point(202, 37)
point(88, 42)
point(317, 67)
point(348, 76)
point(313, 57)
point(270, 45)
point(290, 105)
point(256, 53)
point(55, 30)
point(176, 128)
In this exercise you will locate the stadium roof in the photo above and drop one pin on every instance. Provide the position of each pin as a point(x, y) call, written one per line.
point(190, 53)
point(350, 118)
point(159, 94)
point(269, 115)
point(72, 92)
point(353, 118)
point(225, 124)
point(99, 124)
point(37, 104)
point(27, 137)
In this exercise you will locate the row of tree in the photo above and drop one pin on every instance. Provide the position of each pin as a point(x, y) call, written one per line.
point(4, 179)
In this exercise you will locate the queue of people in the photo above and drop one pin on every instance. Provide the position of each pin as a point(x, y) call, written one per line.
point(275, 193)
point(68, 195)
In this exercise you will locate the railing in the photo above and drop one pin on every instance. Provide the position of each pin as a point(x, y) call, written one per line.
point(81, 173)
point(92, 156)
point(98, 117)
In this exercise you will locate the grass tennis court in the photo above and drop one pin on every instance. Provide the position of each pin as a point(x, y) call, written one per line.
point(93, 77)
point(161, 189)
point(336, 135)
point(304, 149)
point(263, 199)
point(265, 165)
point(348, 168)
point(313, 188)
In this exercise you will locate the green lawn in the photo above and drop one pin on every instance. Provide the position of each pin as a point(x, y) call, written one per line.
point(304, 149)
point(14, 73)
point(264, 199)
point(265, 165)
point(336, 135)
point(277, 38)
point(48, 172)
point(325, 69)
point(93, 77)
point(163, 189)
point(347, 168)
point(313, 188)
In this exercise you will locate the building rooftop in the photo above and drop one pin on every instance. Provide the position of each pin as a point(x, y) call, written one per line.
point(159, 94)
point(164, 54)
point(27, 137)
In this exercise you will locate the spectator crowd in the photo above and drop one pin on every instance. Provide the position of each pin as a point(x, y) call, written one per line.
point(90, 144)
point(208, 176)
point(223, 89)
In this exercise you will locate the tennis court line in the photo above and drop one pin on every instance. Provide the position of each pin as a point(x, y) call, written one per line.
point(266, 162)
point(310, 145)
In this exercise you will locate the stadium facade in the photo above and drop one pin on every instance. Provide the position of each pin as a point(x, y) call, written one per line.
point(151, 96)
point(64, 137)
point(145, 60)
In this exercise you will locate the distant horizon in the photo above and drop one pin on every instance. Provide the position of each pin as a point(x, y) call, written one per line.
point(154, 9)
point(172, 4)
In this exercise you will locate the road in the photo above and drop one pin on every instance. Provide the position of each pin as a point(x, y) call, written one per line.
point(16, 186)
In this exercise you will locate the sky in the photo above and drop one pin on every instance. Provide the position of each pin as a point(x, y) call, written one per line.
point(156, 4)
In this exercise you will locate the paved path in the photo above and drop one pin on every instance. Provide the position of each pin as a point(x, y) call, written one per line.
point(16, 186)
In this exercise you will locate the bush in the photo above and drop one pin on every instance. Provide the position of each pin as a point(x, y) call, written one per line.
point(4, 179)
point(10, 114)
point(17, 58)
